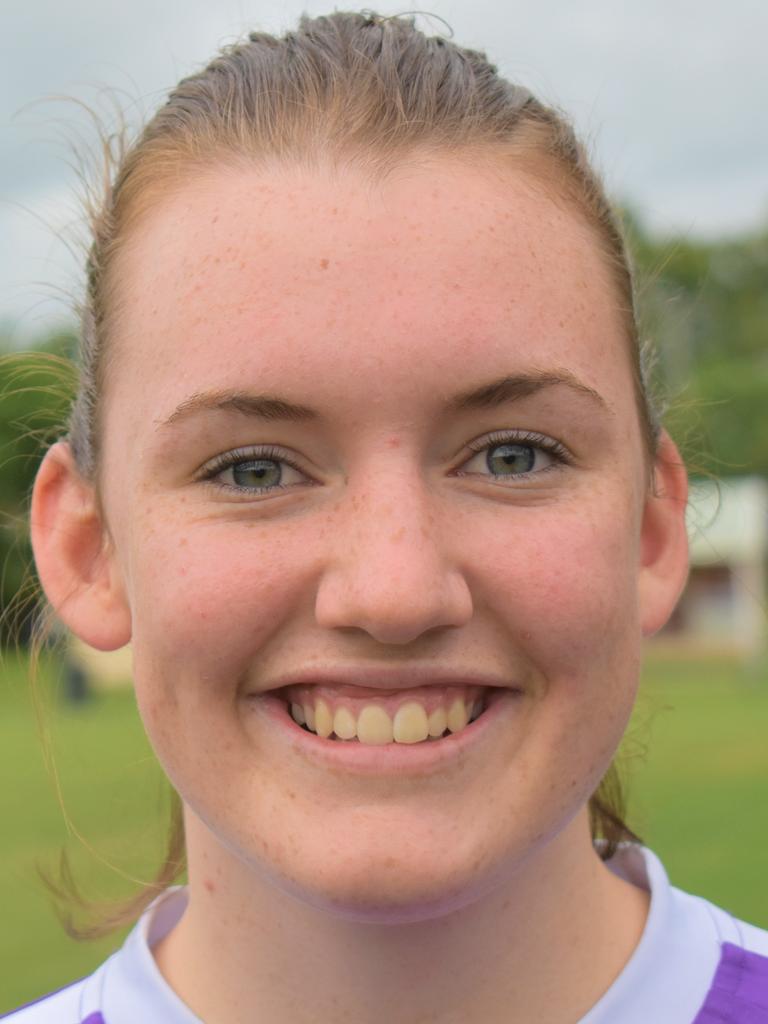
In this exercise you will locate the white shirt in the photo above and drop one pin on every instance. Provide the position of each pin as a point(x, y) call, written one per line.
point(679, 966)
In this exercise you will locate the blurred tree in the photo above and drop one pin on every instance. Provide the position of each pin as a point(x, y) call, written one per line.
point(704, 305)
point(35, 391)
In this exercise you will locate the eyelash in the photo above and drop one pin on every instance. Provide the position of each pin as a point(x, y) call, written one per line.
point(530, 438)
point(238, 455)
point(555, 449)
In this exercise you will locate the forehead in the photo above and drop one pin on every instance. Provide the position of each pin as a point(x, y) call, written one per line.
point(331, 278)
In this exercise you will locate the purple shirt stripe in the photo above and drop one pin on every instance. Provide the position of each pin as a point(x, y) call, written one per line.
point(739, 990)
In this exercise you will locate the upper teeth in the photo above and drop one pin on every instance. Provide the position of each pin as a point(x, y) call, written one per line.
point(373, 724)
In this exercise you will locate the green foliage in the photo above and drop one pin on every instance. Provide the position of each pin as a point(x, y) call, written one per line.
point(35, 393)
point(705, 307)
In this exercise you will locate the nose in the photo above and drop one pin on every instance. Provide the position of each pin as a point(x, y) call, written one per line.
point(390, 572)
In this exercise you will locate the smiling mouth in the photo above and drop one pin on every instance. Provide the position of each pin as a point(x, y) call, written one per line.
point(409, 717)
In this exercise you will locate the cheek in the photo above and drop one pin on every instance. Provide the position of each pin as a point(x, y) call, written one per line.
point(207, 598)
point(564, 599)
point(566, 583)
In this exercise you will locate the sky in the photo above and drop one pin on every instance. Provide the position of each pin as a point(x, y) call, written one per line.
point(671, 94)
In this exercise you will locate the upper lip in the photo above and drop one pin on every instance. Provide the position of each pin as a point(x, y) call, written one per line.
point(401, 677)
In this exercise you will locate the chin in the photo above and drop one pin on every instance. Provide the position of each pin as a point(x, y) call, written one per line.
point(390, 887)
point(398, 905)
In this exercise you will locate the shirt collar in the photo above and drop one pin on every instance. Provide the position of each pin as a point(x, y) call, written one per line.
point(665, 980)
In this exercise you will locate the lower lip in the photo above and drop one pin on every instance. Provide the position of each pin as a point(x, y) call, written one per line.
point(389, 758)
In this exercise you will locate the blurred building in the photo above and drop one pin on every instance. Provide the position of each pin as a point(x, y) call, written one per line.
point(101, 669)
point(724, 609)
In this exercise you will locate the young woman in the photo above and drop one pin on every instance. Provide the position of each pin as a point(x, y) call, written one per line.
point(364, 467)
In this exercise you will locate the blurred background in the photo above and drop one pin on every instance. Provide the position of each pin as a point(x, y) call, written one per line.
point(672, 96)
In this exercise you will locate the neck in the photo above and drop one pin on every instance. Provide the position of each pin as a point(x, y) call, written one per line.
point(543, 945)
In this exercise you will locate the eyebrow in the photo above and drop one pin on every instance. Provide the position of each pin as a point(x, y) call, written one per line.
point(517, 386)
point(265, 407)
point(483, 396)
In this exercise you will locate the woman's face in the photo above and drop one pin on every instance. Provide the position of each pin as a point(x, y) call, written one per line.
point(438, 478)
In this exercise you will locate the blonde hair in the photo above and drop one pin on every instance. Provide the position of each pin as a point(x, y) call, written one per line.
point(345, 89)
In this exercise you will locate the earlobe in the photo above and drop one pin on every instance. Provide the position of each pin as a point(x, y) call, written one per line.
point(76, 567)
point(664, 539)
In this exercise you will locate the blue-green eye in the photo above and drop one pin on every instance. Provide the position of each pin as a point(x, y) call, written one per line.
point(512, 457)
point(253, 472)
point(508, 459)
point(257, 473)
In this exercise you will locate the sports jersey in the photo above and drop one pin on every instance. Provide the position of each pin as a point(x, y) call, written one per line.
point(695, 964)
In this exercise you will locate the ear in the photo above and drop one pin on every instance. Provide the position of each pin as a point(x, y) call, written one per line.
point(74, 555)
point(663, 539)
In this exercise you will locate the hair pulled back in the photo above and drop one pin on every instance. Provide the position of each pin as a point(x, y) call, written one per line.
point(341, 90)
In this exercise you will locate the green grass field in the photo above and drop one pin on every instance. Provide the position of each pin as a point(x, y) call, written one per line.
point(699, 797)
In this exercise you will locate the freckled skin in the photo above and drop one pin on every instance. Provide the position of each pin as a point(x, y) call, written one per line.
point(389, 558)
